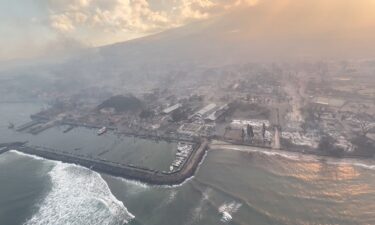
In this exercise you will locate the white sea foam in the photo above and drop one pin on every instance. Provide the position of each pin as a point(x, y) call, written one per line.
point(134, 188)
point(143, 186)
point(79, 196)
point(197, 211)
point(26, 155)
point(366, 166)
point(135, 183)
point(353, 162)
point(172, 196)
point(228, 209)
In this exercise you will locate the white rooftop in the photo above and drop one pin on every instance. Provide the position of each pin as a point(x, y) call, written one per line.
point(206, 109)
point(172, 108)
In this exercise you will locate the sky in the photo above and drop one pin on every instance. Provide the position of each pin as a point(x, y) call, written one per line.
point(31, 28)
point(34, 28)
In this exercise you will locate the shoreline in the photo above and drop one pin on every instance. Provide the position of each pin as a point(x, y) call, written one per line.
point(292, 149)
point(172, 138)
point(293, 155)
point(189, 168)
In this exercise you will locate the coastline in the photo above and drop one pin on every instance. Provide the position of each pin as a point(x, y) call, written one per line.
point(368, 163)
point(155, 177)
point(293, 149)
point(288, 147)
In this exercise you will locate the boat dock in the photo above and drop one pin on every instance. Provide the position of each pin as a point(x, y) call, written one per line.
point(184, 150)
point(27, 125)
point(40, 128)
point(69, 129)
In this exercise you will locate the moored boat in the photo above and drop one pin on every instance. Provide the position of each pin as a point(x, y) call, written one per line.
point(102, 130)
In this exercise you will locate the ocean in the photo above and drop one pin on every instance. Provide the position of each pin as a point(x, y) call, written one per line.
point(230, 187)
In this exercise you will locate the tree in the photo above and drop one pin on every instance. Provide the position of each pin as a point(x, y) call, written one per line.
point(243, 134)
point(179, 115)
point(264, 130)
point(250, 131)
point(365, 122)
point(146, 114)
point(327, 144)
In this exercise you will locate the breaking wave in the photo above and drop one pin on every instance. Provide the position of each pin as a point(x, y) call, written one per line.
point(26, 155)
point(79, 196)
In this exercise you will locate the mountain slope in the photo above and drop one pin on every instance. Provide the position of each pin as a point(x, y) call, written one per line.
point(271, 30)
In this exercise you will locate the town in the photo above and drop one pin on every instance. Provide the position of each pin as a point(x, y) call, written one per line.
point(323, 108)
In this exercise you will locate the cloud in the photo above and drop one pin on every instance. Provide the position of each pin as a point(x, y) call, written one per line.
point(194, 9)
point(189, 10)
point(62, 23)
point(137, 16)
point(108, 15)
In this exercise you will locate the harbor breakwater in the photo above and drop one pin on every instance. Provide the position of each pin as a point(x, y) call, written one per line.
point(153, 177)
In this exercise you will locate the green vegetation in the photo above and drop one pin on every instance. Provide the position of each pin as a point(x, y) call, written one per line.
point(122, 103)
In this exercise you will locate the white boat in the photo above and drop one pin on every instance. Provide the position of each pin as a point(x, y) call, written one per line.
point(226, 217)
point(102, 130)
point(183, 147)
point(181, 154)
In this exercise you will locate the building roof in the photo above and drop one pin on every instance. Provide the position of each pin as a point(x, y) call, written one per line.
point(206, 109)
point(334, 102)
point(217, 113)
point(172, 108)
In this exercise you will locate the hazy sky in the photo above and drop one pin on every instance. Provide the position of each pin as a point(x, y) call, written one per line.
point(34, 27)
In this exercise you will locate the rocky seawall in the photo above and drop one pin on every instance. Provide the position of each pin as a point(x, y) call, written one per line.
point(145, 175)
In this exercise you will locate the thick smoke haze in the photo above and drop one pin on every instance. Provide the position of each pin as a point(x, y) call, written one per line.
point(270, 29)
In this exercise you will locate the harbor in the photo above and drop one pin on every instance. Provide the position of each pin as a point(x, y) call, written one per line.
point(127, 171)
point(184, 151)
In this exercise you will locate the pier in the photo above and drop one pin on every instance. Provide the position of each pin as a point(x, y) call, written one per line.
point(27, 125)
point(132, 172)
point(38, 129)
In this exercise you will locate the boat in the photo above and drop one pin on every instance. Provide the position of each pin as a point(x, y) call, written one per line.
point(183, 146)
point(226, 217)
point(68, 129)
point(180, 145)
point(102, 130)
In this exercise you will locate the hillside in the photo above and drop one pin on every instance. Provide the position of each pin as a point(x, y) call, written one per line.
point(268, 31)
point(122, 103)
